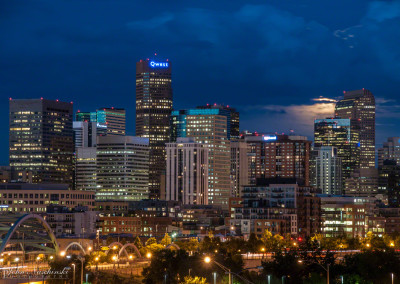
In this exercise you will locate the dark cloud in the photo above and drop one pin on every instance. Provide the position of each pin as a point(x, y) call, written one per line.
point(267, 58)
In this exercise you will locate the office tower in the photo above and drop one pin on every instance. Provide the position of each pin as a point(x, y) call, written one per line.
point(327, 170)
point(82, 116)
point(187, 172)
point(344, 136)
point(389, 151)
point(209, 127)
point(233, 118)
point(85, 168)
point(389, 182)
point(239, 166)
point(41, 139)
point(113, 119)
point(279, 156)
point(153, 110)
point(359, 107)
point(85, 133)
point(362, 182)
point(122, 168)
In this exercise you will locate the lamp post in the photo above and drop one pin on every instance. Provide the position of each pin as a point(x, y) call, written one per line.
point(215, 277)
point(392, 278)
point(73, 275)
point(326, 269)
point(207, 259)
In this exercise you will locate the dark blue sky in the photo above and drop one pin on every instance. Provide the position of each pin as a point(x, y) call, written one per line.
point(270, 59)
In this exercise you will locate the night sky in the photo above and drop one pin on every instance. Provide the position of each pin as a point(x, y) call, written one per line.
point(271, 60)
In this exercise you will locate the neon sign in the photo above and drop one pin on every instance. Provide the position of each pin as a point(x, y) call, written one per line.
point(159, 64)
point(269, 137)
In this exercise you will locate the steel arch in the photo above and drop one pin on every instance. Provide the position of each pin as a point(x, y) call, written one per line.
point(20, 221)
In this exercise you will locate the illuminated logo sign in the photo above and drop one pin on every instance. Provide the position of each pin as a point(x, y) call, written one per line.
point(101, 125)
point(269, 137)
point(159, 64)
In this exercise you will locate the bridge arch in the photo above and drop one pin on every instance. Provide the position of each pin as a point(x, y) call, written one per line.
point(75, 244)
point(173, 245)
point(123, 249)
point(36, 233)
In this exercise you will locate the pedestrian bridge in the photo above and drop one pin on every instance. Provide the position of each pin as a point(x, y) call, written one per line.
point(26, 234)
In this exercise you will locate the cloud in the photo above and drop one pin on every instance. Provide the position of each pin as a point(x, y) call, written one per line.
point(323, 99)
point(300, 118)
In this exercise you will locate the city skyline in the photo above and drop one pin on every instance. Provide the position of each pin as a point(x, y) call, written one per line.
point(284, 54)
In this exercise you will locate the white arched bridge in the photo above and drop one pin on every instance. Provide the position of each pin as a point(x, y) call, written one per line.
point(26, 233)
point(29, 234)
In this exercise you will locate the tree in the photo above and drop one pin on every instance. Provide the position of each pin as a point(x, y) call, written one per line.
point(166, 240)
point(254, 244)
point(138, 243)
point(194, 280)
point(151, 241)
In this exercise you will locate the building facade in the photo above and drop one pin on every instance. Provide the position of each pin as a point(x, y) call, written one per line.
point(281, 156)
point(187, 172)
point(153, 110)
point(209, 127)
point(389, 151)
point(239, 166)
point(359, 107)
point(41, 140)
point(122, 168)
point(327, 170)
point(34, 198)
point(86, 168)
point(345, 137)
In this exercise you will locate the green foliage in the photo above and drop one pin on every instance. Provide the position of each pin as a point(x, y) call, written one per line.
point(151, 241)
point(194, 280)
point(166, 240)
point(138, 243)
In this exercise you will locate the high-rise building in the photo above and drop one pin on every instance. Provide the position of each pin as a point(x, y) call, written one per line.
point(122, 168)
point(41, 139)
point(85, 133)
point(344, 136)
point(389, 182)
point(281, 156)
point(362, 182)
point(389, 151)
point(187, 172)
point(113, 119)
point(327, 170)
point(85, 168)
point(153, 110)
point(239, 166)
point(232, 116)
point(359, 107)
point(209, 127)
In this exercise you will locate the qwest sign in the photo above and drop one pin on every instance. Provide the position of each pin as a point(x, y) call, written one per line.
point(159, 64)
point(269, 137)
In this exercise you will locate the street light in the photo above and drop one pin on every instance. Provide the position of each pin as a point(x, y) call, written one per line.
point(326, 269)
point(392, 278)
point(114, 258)
point(17, 260)
point(392, 244)
point(73, 275)
point(62, 253)
point(97, 263)
point(207, 259)
point(148, 255)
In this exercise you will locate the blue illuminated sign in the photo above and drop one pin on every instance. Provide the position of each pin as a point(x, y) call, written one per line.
point(269, 137)
point(159, 64)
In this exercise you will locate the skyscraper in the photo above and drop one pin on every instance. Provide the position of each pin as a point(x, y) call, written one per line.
point(232, 116)
point(209, 127)
point(327, 173)
point(345, 137)
point(359, 107)
point(389, 151)
point(187, 172)
point(279, 156)
point(85, 168)
point(122, 168)
point(153, 110)
point(113, 119)
point(240, 161)
point(41, 139)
